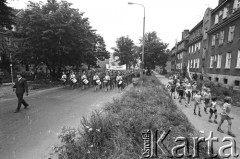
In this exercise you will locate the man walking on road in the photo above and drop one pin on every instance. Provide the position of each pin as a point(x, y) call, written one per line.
point(20, 87)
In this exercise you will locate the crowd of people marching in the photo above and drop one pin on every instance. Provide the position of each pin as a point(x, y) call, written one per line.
point(188, 90)
point(107, 79)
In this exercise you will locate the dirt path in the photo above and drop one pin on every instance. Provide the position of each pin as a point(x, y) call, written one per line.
point(204, 127)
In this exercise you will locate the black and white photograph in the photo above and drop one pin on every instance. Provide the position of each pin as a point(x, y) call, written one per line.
point(119, 79)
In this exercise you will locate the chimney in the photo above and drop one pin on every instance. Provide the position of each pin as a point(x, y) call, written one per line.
point(185, 34)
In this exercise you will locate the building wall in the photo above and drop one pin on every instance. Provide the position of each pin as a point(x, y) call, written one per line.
point(222, 74)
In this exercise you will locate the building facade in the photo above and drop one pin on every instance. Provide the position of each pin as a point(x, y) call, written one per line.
point(213, 45)
point(223, 61)
point(194, 49)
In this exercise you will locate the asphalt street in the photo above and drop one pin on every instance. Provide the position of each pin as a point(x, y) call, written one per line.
point(31, 133)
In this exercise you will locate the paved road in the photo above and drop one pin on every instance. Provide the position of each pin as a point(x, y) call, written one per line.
point(31, 133)
point(203, 126)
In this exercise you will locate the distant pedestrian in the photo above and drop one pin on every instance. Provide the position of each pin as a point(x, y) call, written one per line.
point(119, 80)
point(188, 93)
point(97, 81)
point(181, 90)
point(197, 103)
point(20, 87)
point(64, 79)
point(225, 115)
point(84, 80)
point(207, 97)
point(213, 110)
point(107, 81)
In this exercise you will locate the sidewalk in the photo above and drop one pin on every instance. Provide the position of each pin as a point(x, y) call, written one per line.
point(204, 127)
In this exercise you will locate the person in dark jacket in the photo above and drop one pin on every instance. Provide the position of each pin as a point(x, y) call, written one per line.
point(20, 87)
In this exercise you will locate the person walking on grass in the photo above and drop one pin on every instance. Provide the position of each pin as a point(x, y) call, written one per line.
point(20, 87)
point(213, 109)
point(225, 115)
point(197, 103)
point(207, 97)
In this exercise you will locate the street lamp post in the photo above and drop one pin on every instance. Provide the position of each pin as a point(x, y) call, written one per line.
point(130, 3)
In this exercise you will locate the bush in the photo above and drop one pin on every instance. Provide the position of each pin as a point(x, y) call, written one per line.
point(115, 132)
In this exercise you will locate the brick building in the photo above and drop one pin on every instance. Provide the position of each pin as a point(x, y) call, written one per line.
point(223, 59)
point(194, 48)
point(213, 45)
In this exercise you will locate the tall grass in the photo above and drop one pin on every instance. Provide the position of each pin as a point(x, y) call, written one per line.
point(115, 132)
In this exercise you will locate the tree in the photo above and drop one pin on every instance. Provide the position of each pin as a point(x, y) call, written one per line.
point(155, 53)
point(6, 15)
point(57, 35)
point(125, 51)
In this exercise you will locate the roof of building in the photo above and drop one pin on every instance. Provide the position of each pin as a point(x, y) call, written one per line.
point(196, 26)
point(219, 6)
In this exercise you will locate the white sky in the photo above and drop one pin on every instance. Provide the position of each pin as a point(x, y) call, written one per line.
point(115, 18)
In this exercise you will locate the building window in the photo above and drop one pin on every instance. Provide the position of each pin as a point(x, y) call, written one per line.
point(236, 5)
point(221, 38)
point(199, 45)
point(194, 61)
point(210, 78)
point(225, 12)
point(231, 33)
point(237, 83)
point(198, 61)
point(191, 64)
point(211, 61)
point(219, 60)
point(238, 59)
point(216, 19)
point(220, 13)
point(213, 40)
point(225, 81)
point(216, 79)
point(228, 60)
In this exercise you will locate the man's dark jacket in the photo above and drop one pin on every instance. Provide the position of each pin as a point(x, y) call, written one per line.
point(21, 86)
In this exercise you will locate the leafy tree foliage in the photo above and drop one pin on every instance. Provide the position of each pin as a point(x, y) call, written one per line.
point(126, 51)
point(6, 15)
point(155, 52)
point(57, 35)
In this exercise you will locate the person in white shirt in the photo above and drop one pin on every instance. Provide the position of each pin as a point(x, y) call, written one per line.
point(107, 81)
point(119, 80)
point(97, 81)
point(73, 79)
point(225, 115)
point(64, 79)
point(84, 80)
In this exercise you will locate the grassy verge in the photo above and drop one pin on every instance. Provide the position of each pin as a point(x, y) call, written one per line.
point(115, 132)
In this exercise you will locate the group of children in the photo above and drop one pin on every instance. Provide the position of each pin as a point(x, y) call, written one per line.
point(189, 90)
point(99, 79)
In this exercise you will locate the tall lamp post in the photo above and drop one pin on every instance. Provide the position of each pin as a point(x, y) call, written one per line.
point(130, 3)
